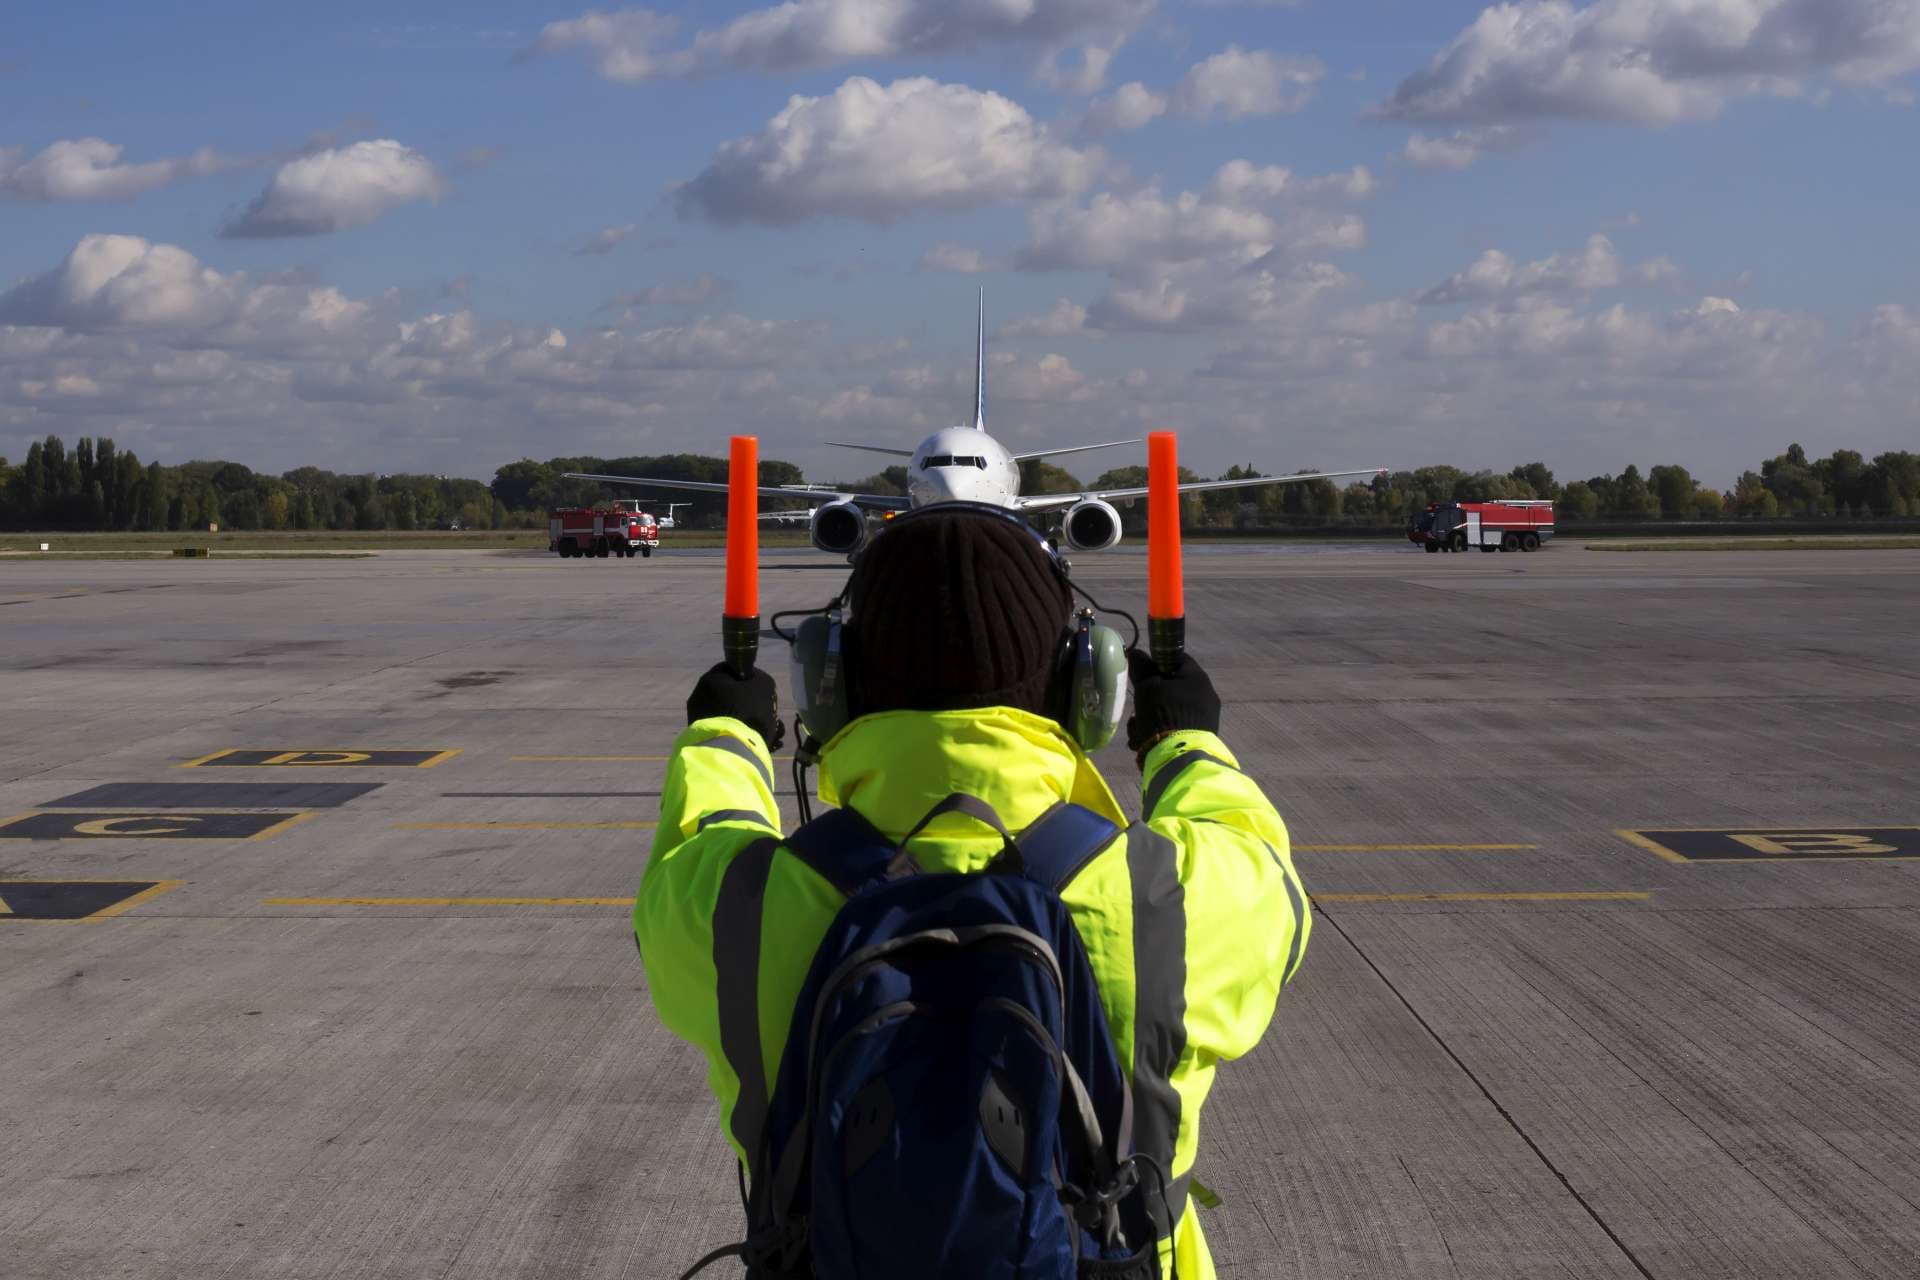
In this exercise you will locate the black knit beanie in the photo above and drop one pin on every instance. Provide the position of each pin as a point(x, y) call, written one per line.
point(954, 609)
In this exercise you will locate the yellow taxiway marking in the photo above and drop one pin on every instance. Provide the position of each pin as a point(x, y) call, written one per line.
point(1651, 846)
point(104, 826)
point(127, 904)
point(153, 890)
point(326, 757)
point(1411, 848)
point(447, 902)
point(1482, 897)
point(524, 826)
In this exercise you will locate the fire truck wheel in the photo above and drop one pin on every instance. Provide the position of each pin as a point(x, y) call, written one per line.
point(1510, 542)
point(600, 549)
point(1432, 547)
point(646, 553)
point(1459, 542)
point(1530, 542)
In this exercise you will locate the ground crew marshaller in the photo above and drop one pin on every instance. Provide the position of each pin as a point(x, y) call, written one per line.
point(1192, 918)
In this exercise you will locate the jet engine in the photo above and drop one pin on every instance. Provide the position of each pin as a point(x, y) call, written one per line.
point(1091, 525)
point(840, 528)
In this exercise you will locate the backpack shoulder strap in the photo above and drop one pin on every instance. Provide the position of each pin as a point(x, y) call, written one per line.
point(1059, 844)
point(848, 851)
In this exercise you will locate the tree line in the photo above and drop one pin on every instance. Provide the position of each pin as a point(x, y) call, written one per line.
point(98, 486)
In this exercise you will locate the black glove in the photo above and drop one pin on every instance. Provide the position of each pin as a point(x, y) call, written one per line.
point(1164, 704)
point(754, 701)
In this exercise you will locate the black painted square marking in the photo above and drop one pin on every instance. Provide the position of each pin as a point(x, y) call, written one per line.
point(215, 795)
point(308, 758)
point(72, 900)
point(120, 825)
point(1779, 844)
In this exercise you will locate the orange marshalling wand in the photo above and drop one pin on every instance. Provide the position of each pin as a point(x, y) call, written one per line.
point(1166, 594)
point(740, 616)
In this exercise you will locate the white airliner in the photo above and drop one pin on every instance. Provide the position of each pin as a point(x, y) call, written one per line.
point(965, 464)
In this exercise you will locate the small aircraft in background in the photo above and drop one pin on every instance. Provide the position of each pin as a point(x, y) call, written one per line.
point(965, 464)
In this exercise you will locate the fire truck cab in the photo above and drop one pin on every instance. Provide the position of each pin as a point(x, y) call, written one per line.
point(1511, 524)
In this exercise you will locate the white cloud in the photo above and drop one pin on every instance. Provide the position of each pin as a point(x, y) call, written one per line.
point(338, 188)
point(1237, 83)
point(1179, 300)
point(700, 289)
point(632, 45)
point(1063, 318)
point(1233, 84)
point(1460, 148)
point(1245, 212)
point(1495, 275)
point(111, 283)
point(1055, 73)
point(1131, 106)
point(729, 341)
point(1662, 270)
point(90, 169)
point(953, 257)
point(1238, 253)
point(1050, 379)
point(607, 239)
point(1374, 318)
point(1653, 61)
point(883, 152)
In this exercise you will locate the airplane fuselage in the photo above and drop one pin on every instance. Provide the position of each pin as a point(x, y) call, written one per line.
point(962, 464)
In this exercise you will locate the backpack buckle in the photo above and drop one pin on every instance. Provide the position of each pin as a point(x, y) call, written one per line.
point(1099, 1211)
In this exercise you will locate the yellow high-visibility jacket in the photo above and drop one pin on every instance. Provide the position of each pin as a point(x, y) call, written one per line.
point(1193, 918)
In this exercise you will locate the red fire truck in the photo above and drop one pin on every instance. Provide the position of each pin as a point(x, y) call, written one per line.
point(592, 531)
point(1511, 524)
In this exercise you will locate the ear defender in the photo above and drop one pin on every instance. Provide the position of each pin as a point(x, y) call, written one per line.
point(1092, 683)
point(817, 674)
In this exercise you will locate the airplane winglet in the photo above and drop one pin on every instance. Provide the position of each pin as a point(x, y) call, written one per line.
point(980, 366)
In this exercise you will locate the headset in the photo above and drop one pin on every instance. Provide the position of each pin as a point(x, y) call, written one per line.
point(1087, 693)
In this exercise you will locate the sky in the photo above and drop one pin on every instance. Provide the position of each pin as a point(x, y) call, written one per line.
point(1303, 233)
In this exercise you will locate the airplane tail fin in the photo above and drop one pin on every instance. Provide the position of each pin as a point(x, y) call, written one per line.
point(980, 367)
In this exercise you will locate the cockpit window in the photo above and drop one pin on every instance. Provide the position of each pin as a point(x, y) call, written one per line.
point(953, 460)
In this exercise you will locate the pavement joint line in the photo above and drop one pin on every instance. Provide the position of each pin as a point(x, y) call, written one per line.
point(1486, 1092)
point(524, 826)
point(1596, 896)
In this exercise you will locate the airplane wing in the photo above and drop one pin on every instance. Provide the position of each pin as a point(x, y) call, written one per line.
point(1078, 448)
point(1048, 501)
point(789, 517)
point(872, 501)
point(872, 448)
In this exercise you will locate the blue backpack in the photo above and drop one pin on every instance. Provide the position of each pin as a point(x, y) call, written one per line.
point(950, 1102)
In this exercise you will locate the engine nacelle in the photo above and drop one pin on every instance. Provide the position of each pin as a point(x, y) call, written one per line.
point(1092, 525)
point(840, 528)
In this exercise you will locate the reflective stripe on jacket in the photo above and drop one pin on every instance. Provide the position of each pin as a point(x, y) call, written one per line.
point(1192, 918)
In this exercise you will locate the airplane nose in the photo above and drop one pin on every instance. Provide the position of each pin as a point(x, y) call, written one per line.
point(935, 486)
